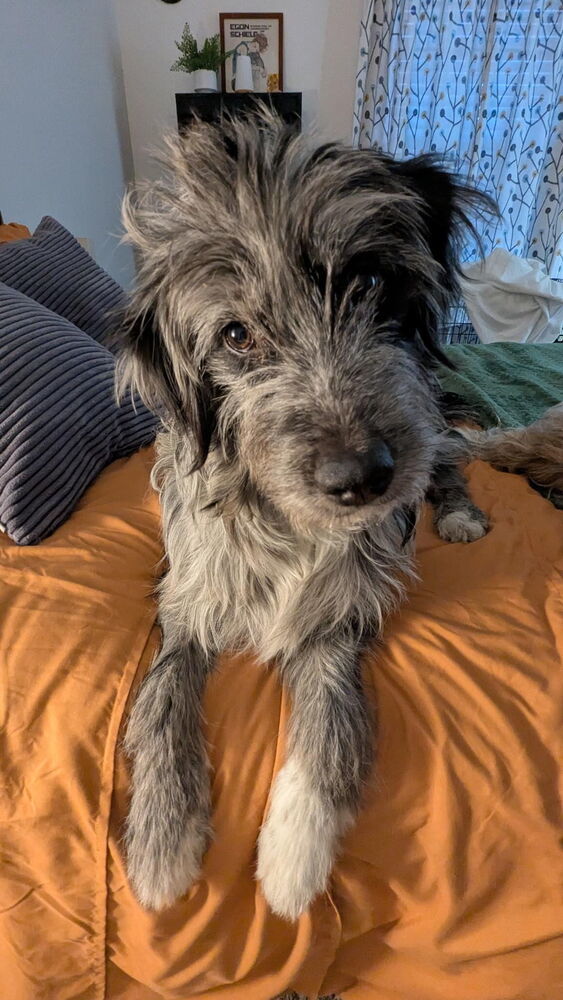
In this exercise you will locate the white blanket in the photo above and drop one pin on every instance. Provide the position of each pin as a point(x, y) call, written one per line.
point(509, 298)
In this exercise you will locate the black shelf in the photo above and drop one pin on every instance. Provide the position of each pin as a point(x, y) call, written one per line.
point(210, 107)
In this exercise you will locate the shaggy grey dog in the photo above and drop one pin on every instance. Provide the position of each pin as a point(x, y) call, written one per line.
point(284, 326)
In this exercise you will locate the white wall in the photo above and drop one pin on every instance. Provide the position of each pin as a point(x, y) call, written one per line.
point(65, 148)
point(320, 48)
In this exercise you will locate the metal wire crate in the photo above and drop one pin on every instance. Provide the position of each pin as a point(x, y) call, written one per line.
point(457, 328)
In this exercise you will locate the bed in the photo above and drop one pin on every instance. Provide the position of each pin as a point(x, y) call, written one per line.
point(451, 883)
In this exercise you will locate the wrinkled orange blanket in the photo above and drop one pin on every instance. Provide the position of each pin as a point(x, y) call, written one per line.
point(12, 231)
point(451, 884)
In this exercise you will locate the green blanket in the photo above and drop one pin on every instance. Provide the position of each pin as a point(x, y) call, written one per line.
point(505, 384)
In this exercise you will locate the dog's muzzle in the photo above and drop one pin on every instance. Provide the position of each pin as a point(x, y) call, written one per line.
point(354, 478)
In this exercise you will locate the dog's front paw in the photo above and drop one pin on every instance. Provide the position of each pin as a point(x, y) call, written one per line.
point(465, 525)
point(297, 843)
point(162, 862)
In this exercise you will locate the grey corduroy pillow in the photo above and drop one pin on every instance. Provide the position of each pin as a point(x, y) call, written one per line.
point(59, 422)
point(52, 268)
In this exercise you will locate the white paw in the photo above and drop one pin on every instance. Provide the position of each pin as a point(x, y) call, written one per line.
point(158, 874)
point(461, 526)
point(297, 843)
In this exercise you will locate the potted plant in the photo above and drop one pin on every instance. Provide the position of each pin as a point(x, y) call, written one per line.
point(203, 63)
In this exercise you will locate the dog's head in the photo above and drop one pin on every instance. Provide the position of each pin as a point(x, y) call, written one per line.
point(286, 312)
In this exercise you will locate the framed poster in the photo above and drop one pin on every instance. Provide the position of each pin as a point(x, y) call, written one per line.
point(259, 36)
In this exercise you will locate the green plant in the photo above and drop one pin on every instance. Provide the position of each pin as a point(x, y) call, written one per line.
point(191, 58)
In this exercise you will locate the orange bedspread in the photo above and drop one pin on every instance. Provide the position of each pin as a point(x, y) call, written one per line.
point(450, 887)
point(12, 231)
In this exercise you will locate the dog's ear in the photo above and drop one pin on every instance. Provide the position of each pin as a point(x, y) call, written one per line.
point(176, 393)
point(448, 207)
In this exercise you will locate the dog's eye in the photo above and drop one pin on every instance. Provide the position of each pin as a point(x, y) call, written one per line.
point(367, 282)
point(361, 284)
point(237, 337)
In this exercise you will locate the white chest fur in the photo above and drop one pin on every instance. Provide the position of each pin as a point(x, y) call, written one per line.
point(237, 580)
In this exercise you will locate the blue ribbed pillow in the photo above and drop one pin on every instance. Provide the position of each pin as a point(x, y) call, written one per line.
point(59, 422)
point(52, 268)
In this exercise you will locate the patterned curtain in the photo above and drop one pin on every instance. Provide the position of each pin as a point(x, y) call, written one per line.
point(480, 81)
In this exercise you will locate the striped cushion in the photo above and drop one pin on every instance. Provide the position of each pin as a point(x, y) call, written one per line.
point(59, 422)
point(52, 268)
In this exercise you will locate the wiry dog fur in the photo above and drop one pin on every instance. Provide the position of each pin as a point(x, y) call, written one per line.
point(536, 450)
point(335, 266)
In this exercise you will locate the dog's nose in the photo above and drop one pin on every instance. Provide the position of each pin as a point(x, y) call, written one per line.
point(353, 478)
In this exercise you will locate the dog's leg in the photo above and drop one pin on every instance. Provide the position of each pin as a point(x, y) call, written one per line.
point(456, 518)
point(168, 824)
point(535, 450)
point(317, 792)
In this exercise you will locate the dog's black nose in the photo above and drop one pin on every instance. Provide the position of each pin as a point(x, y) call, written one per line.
point(353, 478)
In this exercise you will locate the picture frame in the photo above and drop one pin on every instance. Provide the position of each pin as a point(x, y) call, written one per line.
point(261, 37)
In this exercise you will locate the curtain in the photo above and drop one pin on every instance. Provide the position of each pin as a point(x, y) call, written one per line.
point(481, 82)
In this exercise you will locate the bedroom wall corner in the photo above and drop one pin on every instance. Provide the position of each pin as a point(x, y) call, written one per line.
point(66, 149)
